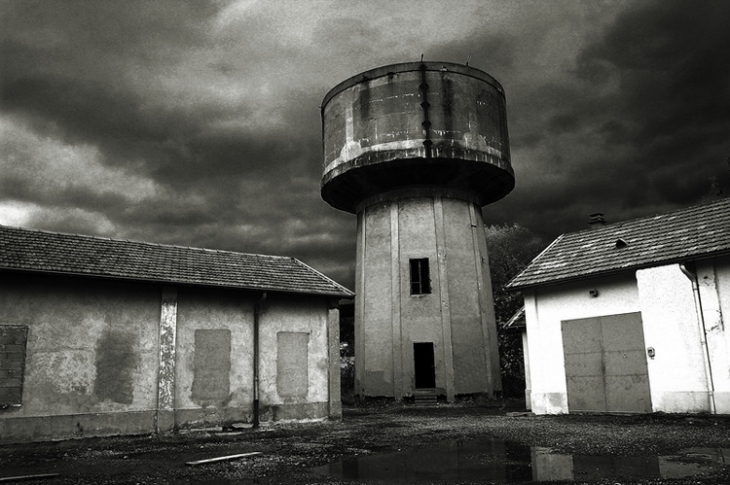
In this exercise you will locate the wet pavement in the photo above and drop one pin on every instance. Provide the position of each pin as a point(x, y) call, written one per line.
point(504, 462)
point(467, 443)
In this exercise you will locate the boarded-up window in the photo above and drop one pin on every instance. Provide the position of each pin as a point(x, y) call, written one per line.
point(12, 363)
point(116, 366)
point(292, 375)
point(212, 365)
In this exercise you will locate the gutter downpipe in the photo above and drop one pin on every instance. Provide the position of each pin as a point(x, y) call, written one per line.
point(256, 314)
point(703, 334)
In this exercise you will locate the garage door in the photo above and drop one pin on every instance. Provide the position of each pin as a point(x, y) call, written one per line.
point(605, 364)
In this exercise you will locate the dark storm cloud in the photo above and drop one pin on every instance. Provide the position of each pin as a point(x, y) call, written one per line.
point(673, 96)
point(80, 71)
point(641, 125)
point(227, 171)
point(197, 123)
point(673, 72)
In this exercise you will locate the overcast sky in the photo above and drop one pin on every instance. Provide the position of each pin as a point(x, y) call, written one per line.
point(198, 124)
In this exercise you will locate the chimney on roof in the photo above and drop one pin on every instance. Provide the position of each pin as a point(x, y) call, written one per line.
point(597, 220)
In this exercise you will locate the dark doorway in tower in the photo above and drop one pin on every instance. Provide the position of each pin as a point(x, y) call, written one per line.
point(425, 368)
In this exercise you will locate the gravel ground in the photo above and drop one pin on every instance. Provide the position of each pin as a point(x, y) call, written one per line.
point(289, 450)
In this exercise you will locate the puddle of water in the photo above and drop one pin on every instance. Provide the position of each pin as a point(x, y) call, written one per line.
point(505, 462)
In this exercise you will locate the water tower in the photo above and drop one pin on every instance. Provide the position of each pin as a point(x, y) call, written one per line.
point(415, 150)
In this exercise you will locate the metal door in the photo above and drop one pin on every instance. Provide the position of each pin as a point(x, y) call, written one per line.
point(605, 365)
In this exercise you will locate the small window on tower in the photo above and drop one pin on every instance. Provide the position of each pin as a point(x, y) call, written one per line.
point(420, 278)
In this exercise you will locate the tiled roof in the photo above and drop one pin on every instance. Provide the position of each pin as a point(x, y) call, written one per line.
point(696, 232)
point(41, 251)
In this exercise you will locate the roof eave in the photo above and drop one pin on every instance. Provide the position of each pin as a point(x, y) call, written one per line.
point(613, 271)
point(509, 283)
point(327, 278)
point(347, 294)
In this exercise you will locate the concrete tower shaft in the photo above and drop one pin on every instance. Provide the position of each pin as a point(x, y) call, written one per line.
point(415, 150)
point(454, 311)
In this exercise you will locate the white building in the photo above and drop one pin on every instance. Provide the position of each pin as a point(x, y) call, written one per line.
point(631, 317)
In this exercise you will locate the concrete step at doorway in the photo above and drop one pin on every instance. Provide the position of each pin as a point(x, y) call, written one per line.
point(425, 397)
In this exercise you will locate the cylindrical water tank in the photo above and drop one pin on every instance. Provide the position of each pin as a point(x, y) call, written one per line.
point(419, 126)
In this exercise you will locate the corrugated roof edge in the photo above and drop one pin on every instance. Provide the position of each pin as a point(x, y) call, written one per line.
point(342, 293)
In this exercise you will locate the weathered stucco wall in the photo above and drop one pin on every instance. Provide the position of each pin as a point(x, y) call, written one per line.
point(91, 356)
point(676, 373)
point(294, 333)
point(715, 291)
point(204, 318)
point(457, 316)
point(685, 375)
point(105, 358)
point(378, 314)
point(545, 309)
point(464, 263)
point(215, 388)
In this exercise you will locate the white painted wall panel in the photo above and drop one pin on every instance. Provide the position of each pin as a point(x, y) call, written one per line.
point(546, 308)
point(677, 372)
